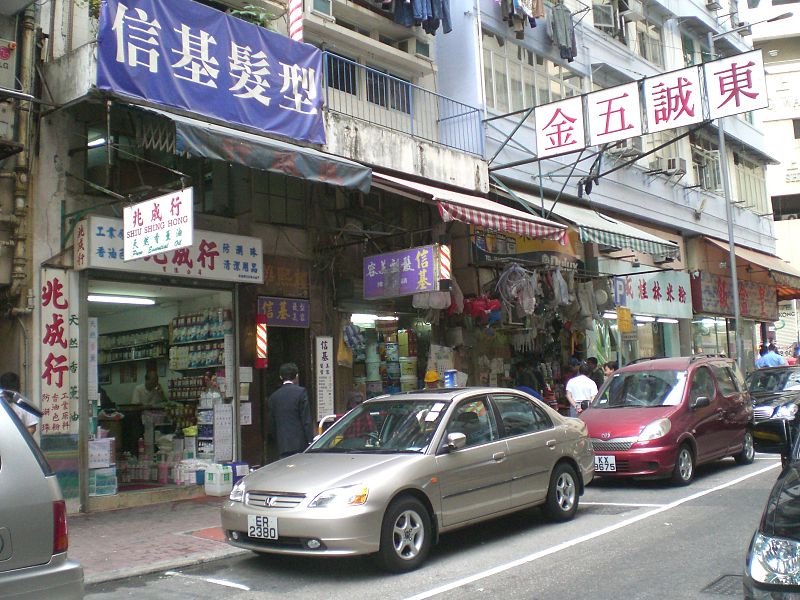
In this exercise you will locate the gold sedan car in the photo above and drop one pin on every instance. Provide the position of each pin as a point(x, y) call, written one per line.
point(397, 471)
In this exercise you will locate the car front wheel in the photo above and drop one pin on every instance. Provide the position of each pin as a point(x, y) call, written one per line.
point(684, 466)
point(748, 453)
point(405, 535)
point(562, 495)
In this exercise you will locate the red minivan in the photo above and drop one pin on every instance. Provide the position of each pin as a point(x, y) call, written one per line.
point(660, 418)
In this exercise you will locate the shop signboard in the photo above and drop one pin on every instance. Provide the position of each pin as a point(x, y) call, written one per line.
point(732, 85)
point(98, 244)
point(8, 64)
point(286, 276)
point(59, 357)
point(624, 320)
point(402, 273)
point(159, 224)
point(660, 294)
point(490, 247)
point(284, 312)
point(324, 375)
point(711, 294)
point(189, 56)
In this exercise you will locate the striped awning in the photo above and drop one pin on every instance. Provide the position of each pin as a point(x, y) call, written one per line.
point(475, 210)
point(599, 228)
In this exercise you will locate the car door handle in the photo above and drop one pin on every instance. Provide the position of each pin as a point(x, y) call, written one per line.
point(551, 444)
point(498, 456)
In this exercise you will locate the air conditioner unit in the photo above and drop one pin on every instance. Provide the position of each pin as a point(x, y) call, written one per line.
point(713, 5)
point(660, 259)
point(675, 166)
point(415, 47)
point(630, 148)
point(631, 10)
point(743, 28)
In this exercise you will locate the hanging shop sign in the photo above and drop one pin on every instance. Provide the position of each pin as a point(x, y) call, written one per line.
point(711, 294)
point(488, 247)
point(286, 276)
point(624, 320)
point(284, 312)
point(158, 225)
point(732, 85)
point(662, 294)
point(59, 358)
point(403, 273)
point(98, 244)
point(189, 56)
point(8, 64)
point(324, 375)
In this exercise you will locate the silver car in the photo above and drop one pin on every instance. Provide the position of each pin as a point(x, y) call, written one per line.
point(397, 471)
point(33, 519)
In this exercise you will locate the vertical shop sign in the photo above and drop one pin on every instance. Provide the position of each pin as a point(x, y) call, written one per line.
point(59, 366)
point(158, 225)
point(91, 382)
point(624, 320)
point(324, 376)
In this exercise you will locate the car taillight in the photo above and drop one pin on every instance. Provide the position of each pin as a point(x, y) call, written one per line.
point(60, 537)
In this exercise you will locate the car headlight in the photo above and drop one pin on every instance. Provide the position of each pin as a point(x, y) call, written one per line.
point(656, 429)
point(237, 493)
point(786, 411)
point(352, 495)
point(775, 560)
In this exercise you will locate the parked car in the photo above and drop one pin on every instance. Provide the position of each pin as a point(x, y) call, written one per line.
point(33, 519)
point(397, 471)
point(775, 392)
point(772, 567)
point(662, 418)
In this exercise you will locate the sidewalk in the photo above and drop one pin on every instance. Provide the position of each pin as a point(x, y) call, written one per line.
point(133, 541)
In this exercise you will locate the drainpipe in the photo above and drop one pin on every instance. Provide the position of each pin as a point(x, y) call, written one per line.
point(22, 181)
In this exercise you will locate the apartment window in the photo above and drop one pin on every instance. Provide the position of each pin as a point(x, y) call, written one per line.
point(705, 163)
point(751, 185)
point(607, 19)
point(796, 125)
point(278, 199)
point(341, 72)
point(388, 92)
point(516, 78)
point(694, 51)
point(650, 42)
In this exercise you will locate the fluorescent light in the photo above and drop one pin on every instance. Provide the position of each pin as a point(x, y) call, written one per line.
point(363, 318)
point(610, 315)
point(386, 318)
point(644, 319)
point(97, 142)
point(121, 299)
point(666, 320)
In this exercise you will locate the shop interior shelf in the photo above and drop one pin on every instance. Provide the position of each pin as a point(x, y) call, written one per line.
point(215, 339)
point(204, 438)
point(127, 360)
point(139, 345)
point(179, 369)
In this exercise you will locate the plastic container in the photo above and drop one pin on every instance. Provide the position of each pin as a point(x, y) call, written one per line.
point(219, 480)
point(373, 370)
point(238, 470)
point(374, 388)
point(392, 352)
point(393, 370)
point(450, 378)
point(408, 383)
point(408, 366)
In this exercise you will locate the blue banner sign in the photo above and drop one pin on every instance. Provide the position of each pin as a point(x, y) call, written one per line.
point(188, 56)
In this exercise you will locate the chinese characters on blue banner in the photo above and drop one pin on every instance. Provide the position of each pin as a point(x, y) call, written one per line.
point(401, 273)
point(189, 56)
point(283, 312)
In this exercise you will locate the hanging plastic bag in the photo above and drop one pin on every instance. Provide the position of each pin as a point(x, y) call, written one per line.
point(344, 355)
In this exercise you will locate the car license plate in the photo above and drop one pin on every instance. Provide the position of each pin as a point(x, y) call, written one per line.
point(605, 463)
point(265, 528)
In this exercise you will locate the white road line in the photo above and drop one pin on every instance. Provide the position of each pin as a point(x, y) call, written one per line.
point(633, 504)
point(581, 539)
point(224, 582)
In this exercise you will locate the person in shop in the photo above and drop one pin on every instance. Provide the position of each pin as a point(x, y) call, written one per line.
point(432, 380)
point(771, 358)
point(150, 393)
point(581, 390)
point(597, 374)
point(9, 384)
point(610, 367)
point(289, 413)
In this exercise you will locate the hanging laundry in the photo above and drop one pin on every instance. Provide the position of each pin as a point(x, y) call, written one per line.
point(563, 32)
point(426, 13)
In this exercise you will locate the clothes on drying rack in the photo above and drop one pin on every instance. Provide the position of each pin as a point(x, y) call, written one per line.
point(564, 32)
point(430, 14)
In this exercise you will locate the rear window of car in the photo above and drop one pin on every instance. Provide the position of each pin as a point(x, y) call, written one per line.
point(5, 409)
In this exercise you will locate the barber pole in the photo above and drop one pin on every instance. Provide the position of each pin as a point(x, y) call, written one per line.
point(445, 271)
point(296, 20)
point(261, 341)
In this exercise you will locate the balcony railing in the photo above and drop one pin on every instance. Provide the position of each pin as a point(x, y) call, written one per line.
point(375, 97)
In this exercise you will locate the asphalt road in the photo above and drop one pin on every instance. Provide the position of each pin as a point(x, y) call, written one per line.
point(629, 540)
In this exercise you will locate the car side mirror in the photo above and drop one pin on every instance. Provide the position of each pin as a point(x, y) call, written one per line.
point(455, 441)
point(773, 437)
point(700, 402)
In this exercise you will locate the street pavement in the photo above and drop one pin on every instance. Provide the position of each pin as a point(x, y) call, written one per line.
point(134, 541)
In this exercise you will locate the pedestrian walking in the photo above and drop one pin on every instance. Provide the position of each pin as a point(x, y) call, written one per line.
point(610, 367)
point(580, 391)
point(597, 373)
point(771, 358)
point(289, 413)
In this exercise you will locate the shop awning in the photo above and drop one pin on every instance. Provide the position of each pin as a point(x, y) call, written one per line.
point(607, 231)
point(475, 210)
point(200, 138)
point(786, 277)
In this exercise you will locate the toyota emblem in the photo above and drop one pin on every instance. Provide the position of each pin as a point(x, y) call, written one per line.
point(605, 435)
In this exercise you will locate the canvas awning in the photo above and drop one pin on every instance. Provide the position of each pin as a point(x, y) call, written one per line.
point(475, 210)
point(200, 138)
point(785, 276)
point(607, 231)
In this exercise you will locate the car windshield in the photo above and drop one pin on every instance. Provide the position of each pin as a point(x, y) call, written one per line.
point(642, 389)
point(384, 427)
point(778, 380)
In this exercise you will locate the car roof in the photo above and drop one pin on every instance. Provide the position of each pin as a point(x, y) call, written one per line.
point(677, 363)
point(444, 394)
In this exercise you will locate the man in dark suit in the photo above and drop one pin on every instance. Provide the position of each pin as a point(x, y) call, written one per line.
point(289, 413)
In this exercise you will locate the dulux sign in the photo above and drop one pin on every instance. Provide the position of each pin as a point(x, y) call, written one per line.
point(189, 56)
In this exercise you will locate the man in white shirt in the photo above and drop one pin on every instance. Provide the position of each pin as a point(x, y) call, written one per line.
point(150, 393)
point(580, 391)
